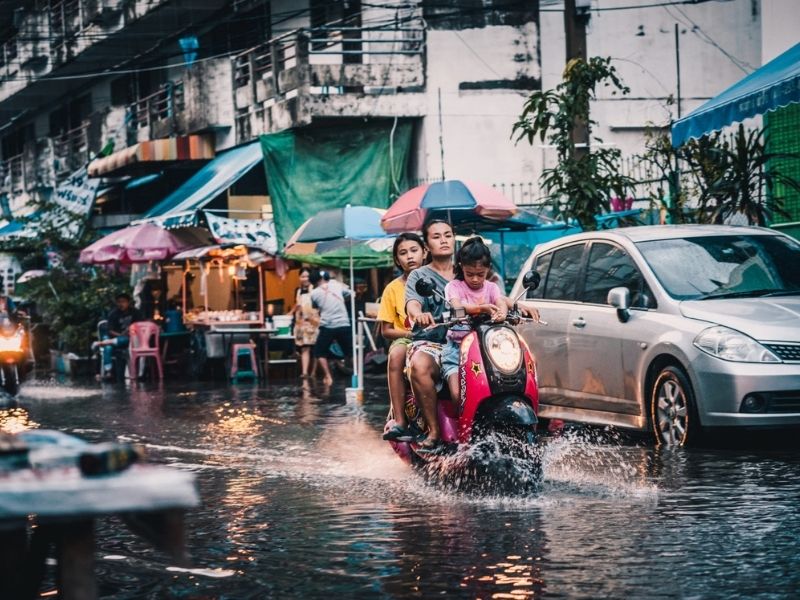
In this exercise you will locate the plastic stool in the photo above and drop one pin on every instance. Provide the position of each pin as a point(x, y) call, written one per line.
point(248, 352)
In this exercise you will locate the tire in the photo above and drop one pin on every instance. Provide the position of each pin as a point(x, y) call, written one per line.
point(10, 387)
point(673, 410)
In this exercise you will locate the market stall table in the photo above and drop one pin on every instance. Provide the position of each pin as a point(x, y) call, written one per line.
point(264, 334)
point(66, 503)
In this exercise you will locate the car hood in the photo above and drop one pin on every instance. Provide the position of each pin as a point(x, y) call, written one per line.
point(771, 319)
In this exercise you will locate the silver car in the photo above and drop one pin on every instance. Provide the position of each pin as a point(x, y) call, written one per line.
point(671, 329)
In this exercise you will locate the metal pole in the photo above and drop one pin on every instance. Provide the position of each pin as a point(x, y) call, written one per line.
point(678, 67)
point(503, 257)
point(355, 380)
point(441, 133)
point(360, 354)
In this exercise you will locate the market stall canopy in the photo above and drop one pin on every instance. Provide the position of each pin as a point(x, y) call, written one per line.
point(313, 169)
point(256, 233)
point(773, 86)
point(153, 154)
point(208, 183)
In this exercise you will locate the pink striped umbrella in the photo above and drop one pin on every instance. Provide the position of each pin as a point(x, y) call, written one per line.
point(141, 243)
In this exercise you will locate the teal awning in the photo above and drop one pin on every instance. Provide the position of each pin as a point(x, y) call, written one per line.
point(773, 86)
point(208, 183)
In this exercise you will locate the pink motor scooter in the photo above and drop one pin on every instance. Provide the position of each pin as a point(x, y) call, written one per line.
point(497, 404)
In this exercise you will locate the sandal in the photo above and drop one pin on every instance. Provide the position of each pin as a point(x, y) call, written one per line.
point(398, 434)
point(428, 446)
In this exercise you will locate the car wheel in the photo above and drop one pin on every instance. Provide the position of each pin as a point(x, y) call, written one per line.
point(672, 409)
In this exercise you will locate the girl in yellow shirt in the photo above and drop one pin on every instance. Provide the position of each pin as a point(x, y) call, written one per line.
point(409, 253)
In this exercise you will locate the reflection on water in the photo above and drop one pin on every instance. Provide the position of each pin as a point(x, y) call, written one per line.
point(301, 498)
point(14, 420)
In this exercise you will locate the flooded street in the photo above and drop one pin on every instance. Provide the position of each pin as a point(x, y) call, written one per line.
point(301, 498)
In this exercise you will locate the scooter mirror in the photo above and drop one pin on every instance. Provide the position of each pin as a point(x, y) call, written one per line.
point(531, 280)
point(425, 287)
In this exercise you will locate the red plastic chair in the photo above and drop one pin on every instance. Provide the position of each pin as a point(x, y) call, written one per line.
point(144, 344)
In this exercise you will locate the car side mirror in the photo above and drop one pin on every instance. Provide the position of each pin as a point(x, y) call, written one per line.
point(425, 287)
point(531, 280)
point(620, 298)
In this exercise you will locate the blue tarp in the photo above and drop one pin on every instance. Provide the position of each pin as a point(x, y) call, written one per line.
point(773, 86)
point(208, 182)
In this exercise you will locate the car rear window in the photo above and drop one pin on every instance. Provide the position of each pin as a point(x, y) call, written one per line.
point(562, 278)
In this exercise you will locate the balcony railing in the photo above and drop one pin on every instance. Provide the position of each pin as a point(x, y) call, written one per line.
point(160, 106)
point(71, 149)
point(324, 61)
point(12, 174)
point(327, 45)
point(9, 53)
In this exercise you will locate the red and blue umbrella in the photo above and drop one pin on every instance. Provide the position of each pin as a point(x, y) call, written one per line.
point(455, 201)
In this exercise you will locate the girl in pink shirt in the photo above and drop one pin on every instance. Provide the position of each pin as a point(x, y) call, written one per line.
point(471, 291)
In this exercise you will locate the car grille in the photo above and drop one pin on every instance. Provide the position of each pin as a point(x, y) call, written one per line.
point(786, 352)
point(780, 402)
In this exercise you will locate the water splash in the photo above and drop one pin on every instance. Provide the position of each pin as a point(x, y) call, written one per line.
point(53, 389)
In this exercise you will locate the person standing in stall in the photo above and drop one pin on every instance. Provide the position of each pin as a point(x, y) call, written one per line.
point(330, 298)
point(306, 323)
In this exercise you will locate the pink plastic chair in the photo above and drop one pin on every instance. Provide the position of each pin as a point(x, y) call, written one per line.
point(143, 344)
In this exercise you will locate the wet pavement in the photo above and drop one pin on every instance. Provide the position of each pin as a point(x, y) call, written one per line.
point(301, 498)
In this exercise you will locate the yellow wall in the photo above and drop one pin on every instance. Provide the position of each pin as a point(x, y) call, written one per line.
point(252, 207)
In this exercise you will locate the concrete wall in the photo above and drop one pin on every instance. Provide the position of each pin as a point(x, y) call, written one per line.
point(780, 27)
point(476, 123)
point(472, 68)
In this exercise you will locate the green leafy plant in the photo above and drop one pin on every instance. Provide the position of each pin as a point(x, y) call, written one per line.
point(667, 191)
point(584, 178)
point(747, 180)
point(724, 176)
point(71, 299)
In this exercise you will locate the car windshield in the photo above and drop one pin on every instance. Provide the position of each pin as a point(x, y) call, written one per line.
point(725, 266)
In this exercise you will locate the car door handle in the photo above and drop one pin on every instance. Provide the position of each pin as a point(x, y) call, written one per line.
point(579, 322)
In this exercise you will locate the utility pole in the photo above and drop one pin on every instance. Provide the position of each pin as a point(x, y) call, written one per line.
point(576, 16)
point(678, 67)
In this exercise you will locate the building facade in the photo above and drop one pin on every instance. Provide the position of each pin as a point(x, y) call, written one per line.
point(149, 90)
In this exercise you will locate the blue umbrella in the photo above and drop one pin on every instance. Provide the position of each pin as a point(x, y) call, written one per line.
point(348, 223)
point(352, 223)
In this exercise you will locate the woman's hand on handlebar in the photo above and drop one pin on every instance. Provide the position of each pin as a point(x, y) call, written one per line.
point(425, 320)
point(530, 312)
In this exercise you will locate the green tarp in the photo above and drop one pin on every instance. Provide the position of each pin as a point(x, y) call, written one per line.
point(313, 169)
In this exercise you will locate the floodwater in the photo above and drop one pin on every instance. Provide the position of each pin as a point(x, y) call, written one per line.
point(301, 499)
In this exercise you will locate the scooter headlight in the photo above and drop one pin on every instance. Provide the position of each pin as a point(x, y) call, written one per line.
point(503, 349)
point(12, 343)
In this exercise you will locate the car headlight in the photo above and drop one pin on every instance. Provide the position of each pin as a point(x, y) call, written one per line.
point(502, 347)
point(729, 344)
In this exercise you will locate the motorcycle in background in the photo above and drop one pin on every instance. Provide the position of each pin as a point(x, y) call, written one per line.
point(15, 354)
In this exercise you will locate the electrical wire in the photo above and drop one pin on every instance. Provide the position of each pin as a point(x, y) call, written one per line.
point(698, 31)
